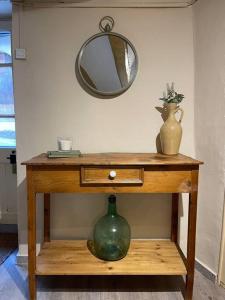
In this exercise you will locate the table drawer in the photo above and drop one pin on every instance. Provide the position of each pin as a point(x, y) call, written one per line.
point(112, 175)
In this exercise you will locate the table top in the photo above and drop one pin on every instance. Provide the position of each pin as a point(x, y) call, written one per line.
point(107, 159)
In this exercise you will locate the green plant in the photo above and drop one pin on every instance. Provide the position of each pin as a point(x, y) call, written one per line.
point(171, 96)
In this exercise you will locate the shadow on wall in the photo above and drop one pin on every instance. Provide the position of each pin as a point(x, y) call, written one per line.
point(22, 212)
point(73, 216)
point(164, 115)
point(79, 213)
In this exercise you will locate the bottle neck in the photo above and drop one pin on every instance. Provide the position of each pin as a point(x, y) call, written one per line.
point(171, 110)
point(171, 115)
point(112, 208)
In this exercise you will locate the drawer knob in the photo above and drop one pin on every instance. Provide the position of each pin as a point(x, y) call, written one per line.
point(112, 174)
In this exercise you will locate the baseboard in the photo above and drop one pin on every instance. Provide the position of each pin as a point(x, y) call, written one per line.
point(205, 271)
point(8, 217)
point(21, 259)
point(22, 256)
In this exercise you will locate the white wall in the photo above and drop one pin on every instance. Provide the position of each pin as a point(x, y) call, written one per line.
point(51, 103)
point(209, 28)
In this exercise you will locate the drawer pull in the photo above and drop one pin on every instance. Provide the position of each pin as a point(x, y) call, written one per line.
point(112, 174)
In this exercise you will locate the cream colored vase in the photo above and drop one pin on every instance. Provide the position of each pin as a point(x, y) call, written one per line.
point(171, 131)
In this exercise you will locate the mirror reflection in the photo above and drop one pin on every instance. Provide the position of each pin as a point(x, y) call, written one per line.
point(108, 64)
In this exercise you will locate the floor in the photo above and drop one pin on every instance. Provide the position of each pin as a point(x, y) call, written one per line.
point(13, 286)
point(8, 242)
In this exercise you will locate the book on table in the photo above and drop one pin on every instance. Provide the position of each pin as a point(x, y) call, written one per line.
point(58, 154)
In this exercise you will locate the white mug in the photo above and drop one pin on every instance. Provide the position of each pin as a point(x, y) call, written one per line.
point(64, 143)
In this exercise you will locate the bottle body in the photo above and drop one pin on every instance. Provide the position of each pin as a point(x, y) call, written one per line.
point(171, 132)
point(111, 234)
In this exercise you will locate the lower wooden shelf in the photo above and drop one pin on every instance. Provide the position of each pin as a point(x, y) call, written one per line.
point(145, 257)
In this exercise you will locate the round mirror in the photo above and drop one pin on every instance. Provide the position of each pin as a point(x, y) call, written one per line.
point(107, 64)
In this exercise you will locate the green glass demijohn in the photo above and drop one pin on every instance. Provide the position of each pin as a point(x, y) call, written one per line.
point(111, 234)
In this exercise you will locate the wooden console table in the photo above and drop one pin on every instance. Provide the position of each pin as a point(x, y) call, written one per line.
point(91, 173)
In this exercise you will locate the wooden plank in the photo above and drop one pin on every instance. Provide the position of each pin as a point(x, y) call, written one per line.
point(182, 255)
point(31, 215)
point(142, 159)
point(68, 181)
point(145, 257)
point(174, 217)
point(192, 215)
point(47, 217)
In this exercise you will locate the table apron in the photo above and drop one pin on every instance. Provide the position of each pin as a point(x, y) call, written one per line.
point(69, 181)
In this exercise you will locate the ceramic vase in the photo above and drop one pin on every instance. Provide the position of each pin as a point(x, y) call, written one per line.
point(171, 131)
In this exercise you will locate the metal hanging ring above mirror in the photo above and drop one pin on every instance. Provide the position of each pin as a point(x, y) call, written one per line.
point(106, 24)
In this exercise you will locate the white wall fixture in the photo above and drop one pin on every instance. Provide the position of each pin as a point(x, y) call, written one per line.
point(20, 53)
point(111, 3)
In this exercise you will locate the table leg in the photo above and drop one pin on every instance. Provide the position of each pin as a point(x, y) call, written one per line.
point(31, 210)
point(191, 235)
point(174, 217)
point(47, 217)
